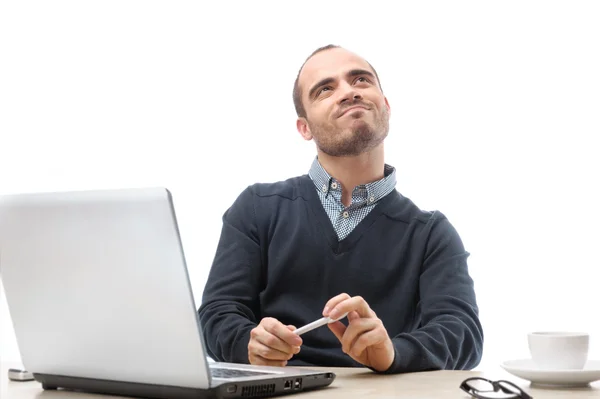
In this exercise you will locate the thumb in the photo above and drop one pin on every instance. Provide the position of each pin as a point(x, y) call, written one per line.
point(291, 328)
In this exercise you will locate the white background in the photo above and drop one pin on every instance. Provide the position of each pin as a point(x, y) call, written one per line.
point(495, 118)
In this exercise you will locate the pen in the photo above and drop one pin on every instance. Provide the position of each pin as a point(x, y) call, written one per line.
point(316, 324)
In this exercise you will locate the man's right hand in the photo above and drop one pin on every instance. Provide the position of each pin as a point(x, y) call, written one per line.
point(272, 343)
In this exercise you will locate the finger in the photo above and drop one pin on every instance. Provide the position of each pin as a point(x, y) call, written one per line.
point(273, 342)
point(367, 339)
point(355, 329)
point(337, 328)
point(353, 316)
point(258, 349)
point(333, 302)
point(356, 303)
point(259, 361)
point(276, 328)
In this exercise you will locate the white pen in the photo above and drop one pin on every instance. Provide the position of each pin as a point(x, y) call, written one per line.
point(316, 324)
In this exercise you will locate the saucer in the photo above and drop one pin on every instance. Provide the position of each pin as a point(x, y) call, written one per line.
point(527, 370)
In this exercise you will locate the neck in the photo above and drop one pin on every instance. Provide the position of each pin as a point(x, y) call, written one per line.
point(353, 171)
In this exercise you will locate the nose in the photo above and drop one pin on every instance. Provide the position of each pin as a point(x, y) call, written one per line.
point(349, 94)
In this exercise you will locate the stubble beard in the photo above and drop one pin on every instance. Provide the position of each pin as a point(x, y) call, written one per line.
point(363, 137)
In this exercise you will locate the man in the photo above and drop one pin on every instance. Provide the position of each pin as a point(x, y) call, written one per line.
point(340, 239)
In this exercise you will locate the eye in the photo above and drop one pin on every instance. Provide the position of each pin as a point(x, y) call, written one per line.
point(362, 79)
point(322, 89)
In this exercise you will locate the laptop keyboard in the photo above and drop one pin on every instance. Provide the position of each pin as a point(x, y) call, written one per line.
point(233, 373)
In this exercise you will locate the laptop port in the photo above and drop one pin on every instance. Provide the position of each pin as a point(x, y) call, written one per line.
point(298, 383)
point(287, 385)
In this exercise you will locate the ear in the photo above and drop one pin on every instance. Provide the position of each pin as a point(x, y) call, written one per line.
point(387, 104)
point(304, 129)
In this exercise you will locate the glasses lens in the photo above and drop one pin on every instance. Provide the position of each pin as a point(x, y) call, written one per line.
point(498, 395)
point(509, 388)
point(486, 390)
point(480, 385)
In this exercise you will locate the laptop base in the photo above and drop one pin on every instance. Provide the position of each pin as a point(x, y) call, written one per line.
point(280, 385)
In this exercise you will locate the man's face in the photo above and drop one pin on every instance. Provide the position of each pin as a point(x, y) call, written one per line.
point(346, 112)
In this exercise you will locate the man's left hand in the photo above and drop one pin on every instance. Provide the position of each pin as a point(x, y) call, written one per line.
point(365, 339)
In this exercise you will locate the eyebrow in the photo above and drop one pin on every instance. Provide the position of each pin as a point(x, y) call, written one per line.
point(326, 81)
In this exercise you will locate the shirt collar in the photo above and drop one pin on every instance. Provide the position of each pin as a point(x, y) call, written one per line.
point(375, 190)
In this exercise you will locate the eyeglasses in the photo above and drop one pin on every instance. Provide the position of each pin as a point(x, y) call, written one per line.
point(482, 388)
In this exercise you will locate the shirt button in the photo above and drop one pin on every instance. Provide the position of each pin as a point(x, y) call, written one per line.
point(324, 188)
point(334, 185)
point(372, 199)
point(345, 214)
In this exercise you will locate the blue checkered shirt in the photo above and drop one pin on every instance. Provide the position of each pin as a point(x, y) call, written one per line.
point(364, 197)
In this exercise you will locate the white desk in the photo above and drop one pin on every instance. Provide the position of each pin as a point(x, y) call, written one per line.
point(350, 383)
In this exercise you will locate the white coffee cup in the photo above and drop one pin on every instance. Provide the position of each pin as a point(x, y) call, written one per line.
point(559, 350)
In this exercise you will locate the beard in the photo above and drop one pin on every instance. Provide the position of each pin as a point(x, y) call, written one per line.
point(354, 140)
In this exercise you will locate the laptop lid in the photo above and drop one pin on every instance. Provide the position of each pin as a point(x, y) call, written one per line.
point(97, 287)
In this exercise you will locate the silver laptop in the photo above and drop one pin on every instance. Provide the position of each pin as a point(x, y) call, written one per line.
point(99, 295)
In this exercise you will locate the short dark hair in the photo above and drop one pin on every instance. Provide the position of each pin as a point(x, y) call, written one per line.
point(297, 93)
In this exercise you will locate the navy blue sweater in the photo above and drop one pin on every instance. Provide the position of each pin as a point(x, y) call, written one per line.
point(279, 256)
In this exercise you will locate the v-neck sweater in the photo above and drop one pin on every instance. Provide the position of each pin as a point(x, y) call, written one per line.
point(279, 256)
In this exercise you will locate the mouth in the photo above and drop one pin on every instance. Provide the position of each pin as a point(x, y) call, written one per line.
point(353, 108)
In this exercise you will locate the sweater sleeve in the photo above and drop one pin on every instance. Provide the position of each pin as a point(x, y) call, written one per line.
point(450, 335)
point(230, 302)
